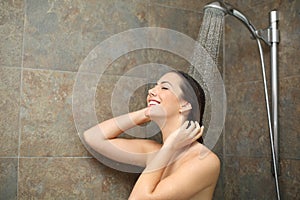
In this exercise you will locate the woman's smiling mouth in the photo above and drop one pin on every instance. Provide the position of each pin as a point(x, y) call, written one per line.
point(153, 102)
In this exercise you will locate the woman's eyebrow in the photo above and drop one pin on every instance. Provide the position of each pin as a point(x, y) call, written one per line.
point(166, 82)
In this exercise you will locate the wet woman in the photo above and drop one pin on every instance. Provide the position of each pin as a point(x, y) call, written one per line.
point(181, 168)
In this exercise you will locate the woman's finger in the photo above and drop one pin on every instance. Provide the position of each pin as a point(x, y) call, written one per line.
point(195, 130)
point(185, 125)
point(199, 134)
point(191, 127)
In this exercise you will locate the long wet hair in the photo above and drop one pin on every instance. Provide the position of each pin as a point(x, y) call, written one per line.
point(194, 94)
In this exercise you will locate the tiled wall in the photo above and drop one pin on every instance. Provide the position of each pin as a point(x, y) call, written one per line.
point(42, 45)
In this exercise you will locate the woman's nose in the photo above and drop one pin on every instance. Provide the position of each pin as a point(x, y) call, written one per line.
point(151, 92)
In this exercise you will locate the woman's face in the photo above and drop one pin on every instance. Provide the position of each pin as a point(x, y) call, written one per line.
point(164, 99)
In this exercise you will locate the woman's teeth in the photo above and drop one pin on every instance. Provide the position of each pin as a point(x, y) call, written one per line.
point(153, 103)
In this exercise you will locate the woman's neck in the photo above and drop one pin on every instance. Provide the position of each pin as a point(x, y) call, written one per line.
point(171, 125)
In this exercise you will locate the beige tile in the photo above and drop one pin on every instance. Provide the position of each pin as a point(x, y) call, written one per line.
point(8, 178)
point(289, 180)
point(289, 117)
point(71, 178)
point(117, 95)
point(192, 5)
point(10, 79)
point(113, 92)
point(60, 34)
point(246, 122)
point(184, 21)
point(248, 178)
point(11, 33)
point(129, 64)
point(289, 25)
point(47, 123)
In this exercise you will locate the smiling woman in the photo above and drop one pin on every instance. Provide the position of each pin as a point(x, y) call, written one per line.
point(181, 167)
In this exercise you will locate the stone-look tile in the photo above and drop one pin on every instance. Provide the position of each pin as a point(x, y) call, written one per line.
point(289, 179)
point(218, 148)
point(242, 62)
point(289, 26)
point(8, 178)
point(219, 190)
point(289, 117)
point(71, 178)
point(11, 32)
point(247, 132)
point(59, 34)
point(46, 114)
point(113, 86)
point(132, 13)
point(83, 101)
point(118, 95)
point(192, 5)
point(184, 21)
point(10, 79)
point(168, 60)
point(129, 64)
point(248, 178)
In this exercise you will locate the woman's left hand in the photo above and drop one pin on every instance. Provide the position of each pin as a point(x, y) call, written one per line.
point(185, 135)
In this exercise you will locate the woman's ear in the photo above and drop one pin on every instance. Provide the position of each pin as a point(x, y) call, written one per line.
point(186, 106)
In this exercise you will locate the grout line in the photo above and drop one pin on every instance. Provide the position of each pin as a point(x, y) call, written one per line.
point(20, 98)
point(81, 73)
point(46, 157)
point(289, 77)
point(56, 157)
point(52, 70)
point(178, 8)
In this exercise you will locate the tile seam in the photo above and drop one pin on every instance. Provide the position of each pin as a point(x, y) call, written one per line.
point(20, 97)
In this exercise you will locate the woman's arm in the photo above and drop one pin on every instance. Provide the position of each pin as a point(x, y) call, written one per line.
point(150, 184)
point(103, 139)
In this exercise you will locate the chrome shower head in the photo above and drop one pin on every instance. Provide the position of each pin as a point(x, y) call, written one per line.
point(217, 5)
point(228, 9)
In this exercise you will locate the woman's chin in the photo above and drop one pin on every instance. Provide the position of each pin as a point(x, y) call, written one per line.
point(155, 112)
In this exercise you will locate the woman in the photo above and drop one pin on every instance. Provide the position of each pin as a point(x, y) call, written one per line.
point(180, 168)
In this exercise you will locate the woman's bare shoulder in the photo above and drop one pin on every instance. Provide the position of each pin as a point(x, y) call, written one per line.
point(198, 170)
point(206, 156)
point(203, 163)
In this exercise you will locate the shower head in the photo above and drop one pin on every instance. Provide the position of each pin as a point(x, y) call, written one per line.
point(228, 9)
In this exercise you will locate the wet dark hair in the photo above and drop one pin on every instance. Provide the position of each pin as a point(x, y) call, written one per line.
point(194, 94)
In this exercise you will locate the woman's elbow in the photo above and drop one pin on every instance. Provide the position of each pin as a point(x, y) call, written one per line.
point(87, 137)
point(93, 138)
